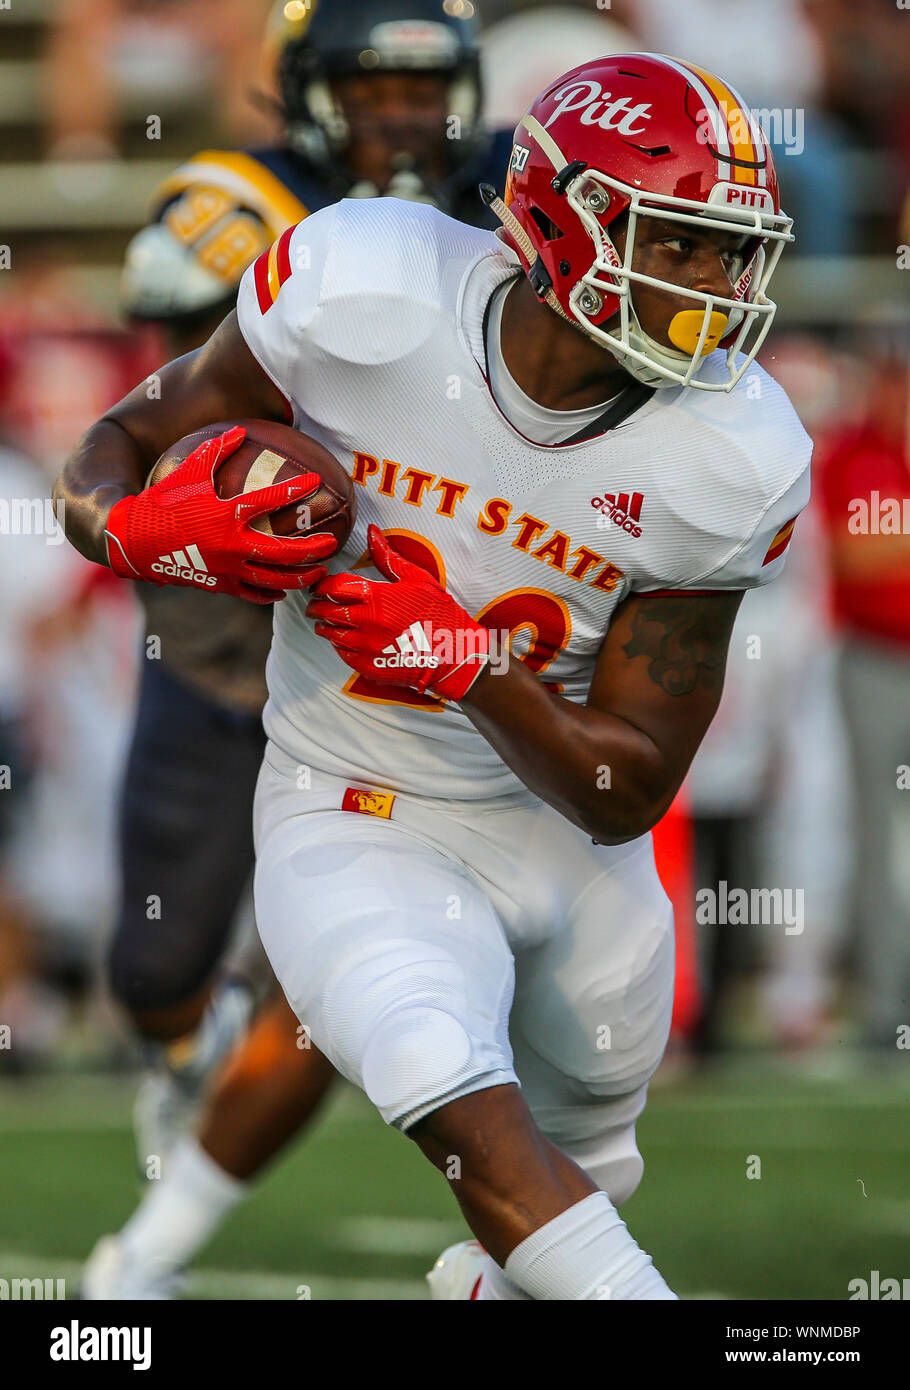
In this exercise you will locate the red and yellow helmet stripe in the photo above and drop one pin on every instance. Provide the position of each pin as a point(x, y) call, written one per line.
point(737, 138)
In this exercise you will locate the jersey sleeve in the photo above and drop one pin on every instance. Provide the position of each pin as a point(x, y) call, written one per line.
point(762, 555)
point(279, 300)
point(729, 507)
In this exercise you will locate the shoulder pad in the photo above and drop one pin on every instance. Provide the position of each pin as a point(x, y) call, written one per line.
point(241, 179)
point(163, 279)
point(214, 216)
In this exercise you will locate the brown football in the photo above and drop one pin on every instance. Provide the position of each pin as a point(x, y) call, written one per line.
point(273, 453)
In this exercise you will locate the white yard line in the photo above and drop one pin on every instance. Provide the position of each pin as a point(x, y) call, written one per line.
point(262, 1284)
point(383, 1235)
point(229, 1283)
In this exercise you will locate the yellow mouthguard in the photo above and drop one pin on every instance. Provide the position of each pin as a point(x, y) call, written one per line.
point(685, 330)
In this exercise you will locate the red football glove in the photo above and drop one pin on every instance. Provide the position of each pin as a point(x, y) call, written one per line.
point(410, 632)
point(181, 532)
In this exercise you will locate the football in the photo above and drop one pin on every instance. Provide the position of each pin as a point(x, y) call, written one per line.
point(273, 453)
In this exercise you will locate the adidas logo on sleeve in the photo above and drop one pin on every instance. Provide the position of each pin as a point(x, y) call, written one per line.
point(410, 650)
point(187, 565)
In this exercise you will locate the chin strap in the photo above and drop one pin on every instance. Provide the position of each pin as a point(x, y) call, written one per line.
point(543, 287)
point(635, 395)
point(537, 275)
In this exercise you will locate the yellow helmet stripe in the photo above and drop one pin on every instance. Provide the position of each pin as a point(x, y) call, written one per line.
point(739, 125)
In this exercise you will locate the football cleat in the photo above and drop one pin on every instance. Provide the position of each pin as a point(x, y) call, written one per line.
point(457, 1272)
point(110, 1274)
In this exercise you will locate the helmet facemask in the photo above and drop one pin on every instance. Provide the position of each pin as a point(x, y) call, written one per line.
point(739, 322)
point(556, 220)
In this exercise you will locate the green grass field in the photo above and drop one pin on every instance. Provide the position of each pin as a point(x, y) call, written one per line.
point(356, 1213)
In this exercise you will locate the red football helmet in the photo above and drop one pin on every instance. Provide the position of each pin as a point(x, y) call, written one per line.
point(649, 136)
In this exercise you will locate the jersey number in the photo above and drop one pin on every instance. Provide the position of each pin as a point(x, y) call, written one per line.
point(543, 616)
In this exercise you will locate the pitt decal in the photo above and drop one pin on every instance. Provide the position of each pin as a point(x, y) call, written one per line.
point(368, 803)
point(601, 108)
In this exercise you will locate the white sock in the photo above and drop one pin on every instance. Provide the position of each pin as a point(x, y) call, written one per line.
point(496, 1286)
point(180, 1211)
point(585, 1253)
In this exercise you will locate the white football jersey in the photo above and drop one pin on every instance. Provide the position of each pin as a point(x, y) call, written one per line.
point(369, 316)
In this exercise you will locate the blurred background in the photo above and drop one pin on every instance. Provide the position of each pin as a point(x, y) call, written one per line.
point(792, 1045)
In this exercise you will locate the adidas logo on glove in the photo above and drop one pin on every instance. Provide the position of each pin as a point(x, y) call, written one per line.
point(411, 650)
point(186, 564)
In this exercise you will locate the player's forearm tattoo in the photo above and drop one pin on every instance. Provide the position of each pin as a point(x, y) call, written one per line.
point(685, 641)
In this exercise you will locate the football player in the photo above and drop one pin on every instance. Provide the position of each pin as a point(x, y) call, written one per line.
point(382, 98)
point(569, 469)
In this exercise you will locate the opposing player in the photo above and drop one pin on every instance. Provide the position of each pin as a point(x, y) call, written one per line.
point(405, 119)
point(560, 435)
